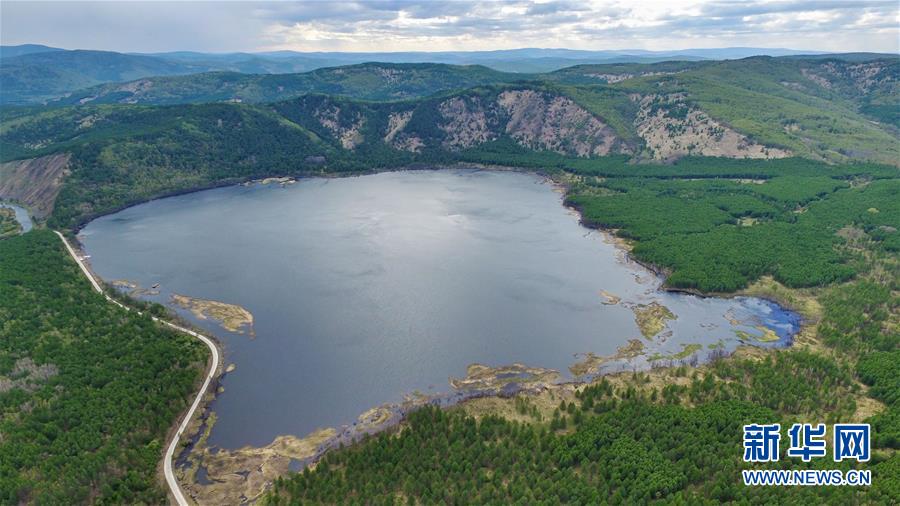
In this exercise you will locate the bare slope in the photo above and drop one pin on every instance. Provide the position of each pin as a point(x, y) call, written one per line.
point(35, 182)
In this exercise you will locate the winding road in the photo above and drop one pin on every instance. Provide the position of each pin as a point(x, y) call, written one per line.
point(174, 487)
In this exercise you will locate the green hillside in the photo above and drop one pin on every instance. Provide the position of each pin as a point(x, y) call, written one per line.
point(368, 81)
point(124, 154)
point(41, 76)
point(822, 108)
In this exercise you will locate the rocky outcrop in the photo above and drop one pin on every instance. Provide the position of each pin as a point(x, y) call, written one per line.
point(349, 135)
point(396, 123)
point(672, 128)
point(34, 182)
point(544, 121)
point(863, 77)
point(536, 120)
point(397, 138)
point(612, 78)
point(465, 123)
point(541, 121)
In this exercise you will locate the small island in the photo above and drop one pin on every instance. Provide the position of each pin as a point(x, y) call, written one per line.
point(231, 317)
point(651, 318)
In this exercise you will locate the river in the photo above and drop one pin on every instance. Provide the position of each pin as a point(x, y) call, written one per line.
point(368, 288)
point(22, 216)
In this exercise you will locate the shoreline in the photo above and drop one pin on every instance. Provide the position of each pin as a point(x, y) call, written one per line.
point(213, 367)
point(547, 174)
point(398, 412)
point(18, 209)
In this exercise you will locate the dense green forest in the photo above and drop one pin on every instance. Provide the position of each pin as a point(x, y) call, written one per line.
point(87, 390)
point(718, 235)
point(369, 81)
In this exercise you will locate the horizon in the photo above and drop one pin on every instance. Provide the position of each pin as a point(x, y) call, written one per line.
point(623, 51)
point(462, 26)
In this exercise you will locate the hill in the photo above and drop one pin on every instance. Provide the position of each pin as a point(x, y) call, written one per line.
point(823, 108)
point(12, 51)
point(35, 77)
point(369, 81)
point(122, 154)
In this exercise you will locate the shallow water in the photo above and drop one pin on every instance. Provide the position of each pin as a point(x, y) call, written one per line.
point(368, 288)
point(21, 216)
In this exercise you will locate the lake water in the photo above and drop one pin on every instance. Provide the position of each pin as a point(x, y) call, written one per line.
point(364, 289)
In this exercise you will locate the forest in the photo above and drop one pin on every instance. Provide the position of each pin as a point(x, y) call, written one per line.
point(88, 390)
point(794, 228)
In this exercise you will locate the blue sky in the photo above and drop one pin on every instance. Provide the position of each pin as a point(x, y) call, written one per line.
point(409, 25)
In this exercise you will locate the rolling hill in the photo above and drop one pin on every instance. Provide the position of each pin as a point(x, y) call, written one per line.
point(35, 77)
point(869, 83)
point(368, 81)
point(758, 108)
point(12, 51)
point(33, 74)
point(821, 108)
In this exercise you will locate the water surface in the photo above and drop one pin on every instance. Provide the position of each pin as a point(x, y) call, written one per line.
point(22, 216)
point(368, 288)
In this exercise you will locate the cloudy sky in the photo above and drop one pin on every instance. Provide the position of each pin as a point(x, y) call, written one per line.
point(409, 25)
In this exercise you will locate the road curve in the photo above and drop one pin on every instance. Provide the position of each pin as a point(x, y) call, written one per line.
point(174, 487)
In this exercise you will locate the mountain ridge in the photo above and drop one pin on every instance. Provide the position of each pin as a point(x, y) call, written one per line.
point(32, 74)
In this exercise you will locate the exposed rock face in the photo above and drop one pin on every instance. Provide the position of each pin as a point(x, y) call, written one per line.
point(816, 78)
point(544, 122)
point(617, 78)
point(409, 143)
point(34, 182)
point(465, 123)
point(135, 90)
point(397, 138)
point(396, 122)
point(329, 116)
point(390, 75)
point(864, 77)
point(671, 128)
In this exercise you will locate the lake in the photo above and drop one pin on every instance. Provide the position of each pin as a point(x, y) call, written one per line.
point(364, 289)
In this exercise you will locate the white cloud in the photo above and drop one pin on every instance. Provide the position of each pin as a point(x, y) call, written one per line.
point(418, 25)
